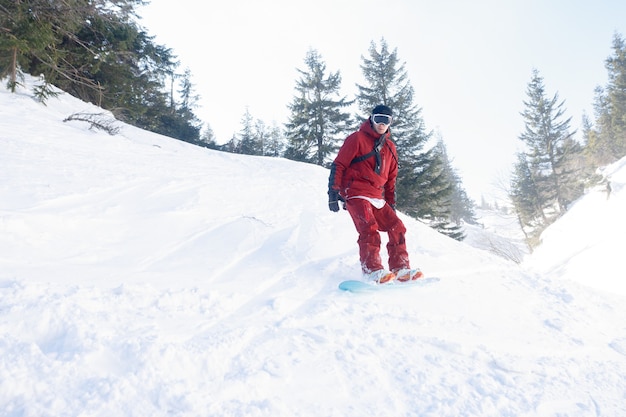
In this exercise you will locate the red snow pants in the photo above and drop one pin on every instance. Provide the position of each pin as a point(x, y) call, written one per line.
point(368, 221)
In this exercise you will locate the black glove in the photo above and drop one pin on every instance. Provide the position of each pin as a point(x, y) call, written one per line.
point(333, 200)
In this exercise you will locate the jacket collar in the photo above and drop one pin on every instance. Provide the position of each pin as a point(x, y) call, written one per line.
point(366, 127)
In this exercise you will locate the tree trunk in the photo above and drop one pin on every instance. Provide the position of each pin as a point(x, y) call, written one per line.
point(13, 75)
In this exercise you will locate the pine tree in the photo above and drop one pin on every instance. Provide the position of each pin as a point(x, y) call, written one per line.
point(454, 205)
point(207, 138)
point(423, 189)
point(550, 147)
point(461, 206)
point(260, 135)
point(594, 154)
point(275, 142)
point(180, 122)
point(317, 122)
point(608, 143)
point(525, 194)
point(249, 143)
point(599, 140)
point(232, 145)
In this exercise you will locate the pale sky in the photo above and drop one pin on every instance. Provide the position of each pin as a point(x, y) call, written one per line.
point(469, 62)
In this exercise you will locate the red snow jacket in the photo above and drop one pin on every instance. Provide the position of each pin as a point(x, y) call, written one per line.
point(354, 176)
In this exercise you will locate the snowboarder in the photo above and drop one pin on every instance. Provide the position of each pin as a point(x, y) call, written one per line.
point(363, 177)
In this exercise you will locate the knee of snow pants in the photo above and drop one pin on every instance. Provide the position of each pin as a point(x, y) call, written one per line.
point(368, 221)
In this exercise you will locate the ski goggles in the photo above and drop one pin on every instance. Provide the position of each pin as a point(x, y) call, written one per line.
point(384, 119)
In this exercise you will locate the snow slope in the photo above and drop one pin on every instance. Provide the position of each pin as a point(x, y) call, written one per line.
point(143, 276)
point(585, 244)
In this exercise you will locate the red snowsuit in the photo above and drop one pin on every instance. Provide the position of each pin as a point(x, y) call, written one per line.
point(355, 178)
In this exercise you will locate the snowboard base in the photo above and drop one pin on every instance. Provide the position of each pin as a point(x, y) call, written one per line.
point(357, 286)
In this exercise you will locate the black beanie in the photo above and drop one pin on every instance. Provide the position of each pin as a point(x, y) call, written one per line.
point(382, 109)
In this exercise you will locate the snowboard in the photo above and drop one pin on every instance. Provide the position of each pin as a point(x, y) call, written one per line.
point(356, 286)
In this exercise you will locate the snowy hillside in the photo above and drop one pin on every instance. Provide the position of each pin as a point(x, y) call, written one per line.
point(585, 244)
point(142, 276)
